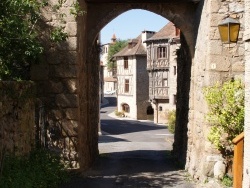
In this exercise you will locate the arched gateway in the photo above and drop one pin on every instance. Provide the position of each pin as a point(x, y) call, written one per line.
point(68, 81)
point(100, 13)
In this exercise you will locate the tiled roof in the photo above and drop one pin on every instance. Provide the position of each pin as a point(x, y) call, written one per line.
point(134, 47)
point(110, 79)
point(168, 31)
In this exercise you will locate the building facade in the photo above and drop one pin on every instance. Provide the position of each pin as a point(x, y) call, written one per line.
point(132, 78)
point(110, 80)
point(162, 70)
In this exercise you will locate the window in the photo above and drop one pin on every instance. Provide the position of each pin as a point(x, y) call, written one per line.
point(175, 71)
point(126, 85)
point(161, 52)
point(165, 82)
point(125, 62)
point(125, 108)
point(160, 108)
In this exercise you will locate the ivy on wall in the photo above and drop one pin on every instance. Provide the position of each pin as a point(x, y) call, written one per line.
point(20, 43)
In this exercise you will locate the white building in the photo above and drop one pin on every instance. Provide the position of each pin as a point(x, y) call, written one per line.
point(110, 80)
point(162, 70)
point(132, 78)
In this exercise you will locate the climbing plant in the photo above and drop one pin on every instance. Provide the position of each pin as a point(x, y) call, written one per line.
point(226, 113)
point(20, 43)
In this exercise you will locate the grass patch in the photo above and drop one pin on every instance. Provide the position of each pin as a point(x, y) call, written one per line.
point(227, 181)
point(41, 169)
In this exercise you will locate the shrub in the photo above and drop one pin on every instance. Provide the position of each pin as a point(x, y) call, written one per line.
point(40, 169)
point(226, 114)
point(171, 115)
point(119, 114)
point(227, 181)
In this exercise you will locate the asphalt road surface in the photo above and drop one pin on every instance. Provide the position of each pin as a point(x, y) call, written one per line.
point(132, 154)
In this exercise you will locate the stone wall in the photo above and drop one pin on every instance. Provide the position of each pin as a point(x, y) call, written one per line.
point(56, 78)
point(212, 62)
point(17, 117)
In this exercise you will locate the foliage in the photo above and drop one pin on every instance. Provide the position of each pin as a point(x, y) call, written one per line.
point(171, 116)
point(119, 114)
point(227, 181)
point(113, 49)
point(76, 10)
point(58, 35)
point(226, 113)
point(18, 42)
point(39, 169)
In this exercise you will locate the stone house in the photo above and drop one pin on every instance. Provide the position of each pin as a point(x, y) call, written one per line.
point(162, 70)
point(132, 78)
point(110, 80)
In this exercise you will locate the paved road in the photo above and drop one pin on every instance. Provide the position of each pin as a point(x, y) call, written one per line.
point(132, 154)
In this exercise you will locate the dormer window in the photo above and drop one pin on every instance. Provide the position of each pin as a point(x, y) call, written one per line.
point(161, 52)
point(125, 62)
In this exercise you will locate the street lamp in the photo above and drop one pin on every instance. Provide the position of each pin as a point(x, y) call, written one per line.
point(229, 30)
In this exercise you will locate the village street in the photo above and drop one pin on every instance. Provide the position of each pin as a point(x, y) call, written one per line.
point(132, 154)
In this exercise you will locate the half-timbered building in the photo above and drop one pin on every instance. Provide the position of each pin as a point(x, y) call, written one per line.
point(162, 70)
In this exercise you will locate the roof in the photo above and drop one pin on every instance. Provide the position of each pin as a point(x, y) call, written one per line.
point(168, 31)
point(110, 79)
point(134, 47)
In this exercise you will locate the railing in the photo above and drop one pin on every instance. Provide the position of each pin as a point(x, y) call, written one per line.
point(238, 142)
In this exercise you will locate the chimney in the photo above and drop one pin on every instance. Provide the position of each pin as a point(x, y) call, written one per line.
point(146, 35)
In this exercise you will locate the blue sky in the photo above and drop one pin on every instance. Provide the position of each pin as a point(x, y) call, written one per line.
point(131, 23)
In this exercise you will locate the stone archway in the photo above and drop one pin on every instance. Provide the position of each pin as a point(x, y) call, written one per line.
point(182, 14)
point(68, 79)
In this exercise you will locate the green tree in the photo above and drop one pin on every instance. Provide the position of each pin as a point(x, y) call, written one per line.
point(113, 49)
point(226, 114)
point(19, 44)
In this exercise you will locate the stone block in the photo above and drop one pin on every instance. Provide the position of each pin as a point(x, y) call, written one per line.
point(214, 34)
point(220, 63)
point(55, 87)
point(67, 100)
point(68, 3)
point(71, 113)
point(216, 19)
point(72, 57)
point(72, 43)
point(215, 47)
point(56, 114)
point(63, 71)
point(214, 158)
point(71, 28)
point(236, 7)
point(70, 85)
point(68, 16)
point(238, 67)
point(69, 127)
point(39, 71)
point(219, 169)
point(208, 168)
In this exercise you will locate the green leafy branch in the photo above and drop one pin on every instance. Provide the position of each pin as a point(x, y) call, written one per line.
point(226, 114)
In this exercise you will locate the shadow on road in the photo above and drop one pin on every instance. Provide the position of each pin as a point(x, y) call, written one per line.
point(111, 171)
point(116, 127)
point(107, 139)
